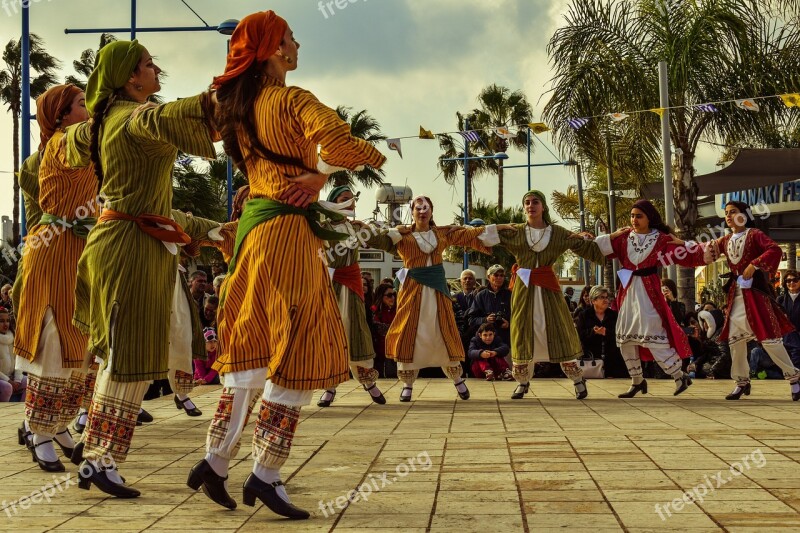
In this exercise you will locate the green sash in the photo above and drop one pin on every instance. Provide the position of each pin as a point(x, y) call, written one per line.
point(80, 227)
point(431, 276)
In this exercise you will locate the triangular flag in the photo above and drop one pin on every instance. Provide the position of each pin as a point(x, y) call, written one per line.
point(577, 123)
point(748, 104)
point(504, 132)
point(658, 111)
point(618, 117)
point(791, 99)
point(538, 127)
point(425, 134)
point(394, 144)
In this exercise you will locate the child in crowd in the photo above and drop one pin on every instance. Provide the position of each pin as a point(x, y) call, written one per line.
point(203, 373)
point(11, 380)
point(487, 352)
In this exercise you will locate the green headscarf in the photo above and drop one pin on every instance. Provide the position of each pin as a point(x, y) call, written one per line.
point(115, 64)
point(546, 210)
point(336, 192)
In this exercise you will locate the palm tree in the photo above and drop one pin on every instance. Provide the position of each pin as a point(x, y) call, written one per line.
point(490, 213)
point(606, 58)
point(45, 66)
point(202, 190)
point(362, 126)
point(85, 65)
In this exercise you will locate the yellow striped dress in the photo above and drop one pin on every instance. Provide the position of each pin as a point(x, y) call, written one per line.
point(280, 311)
point(126, 278)
point(51, 256)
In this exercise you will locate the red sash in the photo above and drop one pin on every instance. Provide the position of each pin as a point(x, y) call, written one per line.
point(350, 277)
point(544, 277)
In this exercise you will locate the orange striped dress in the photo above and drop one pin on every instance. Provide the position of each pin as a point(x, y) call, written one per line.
point(280, 312)
point(401, 339)
point(51, 256)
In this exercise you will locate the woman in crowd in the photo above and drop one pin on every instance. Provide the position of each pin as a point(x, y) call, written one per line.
point(383, 312)
point(597, 329)
point(670, 291)
point(584, 303)
point(11, 379)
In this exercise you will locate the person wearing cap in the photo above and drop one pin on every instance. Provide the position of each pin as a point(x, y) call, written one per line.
point(645, 320)
point(493, 305)
point(204, 373)
point(349, 289)
point(542, 329)
point(280, 333)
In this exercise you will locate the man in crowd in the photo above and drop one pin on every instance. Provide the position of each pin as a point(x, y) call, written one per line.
point(493, 305)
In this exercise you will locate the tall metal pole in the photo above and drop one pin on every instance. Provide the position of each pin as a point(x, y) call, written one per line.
point(25, 110)
point(584, 262)
point(466, 190)
point(666, 147)
point(133, 19)
point(612, 205)
point(529, 158)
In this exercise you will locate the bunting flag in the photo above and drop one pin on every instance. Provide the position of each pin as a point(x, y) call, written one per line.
point(538, 127)
point(394, 144)
point(748, 104)
point(504, 132)
point(470, 136)
point(577, 123)
point(425, 134)
point(791, 99)
point(184, 160)
point(708, 108)
point(658, 111)
point(618, 117)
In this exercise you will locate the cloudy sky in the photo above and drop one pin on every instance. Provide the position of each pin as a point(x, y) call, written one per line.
point(408, 62)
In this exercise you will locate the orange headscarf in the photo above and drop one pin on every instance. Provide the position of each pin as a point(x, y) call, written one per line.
point(49, 108)
point(256, 38)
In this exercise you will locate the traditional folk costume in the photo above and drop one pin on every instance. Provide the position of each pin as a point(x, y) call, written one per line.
point(51, 350)
point(542, 329)
point(424, 334)
point(128, 323)
point(644, 319)
point(752, 312)
point(280, 331)
point(349, 289)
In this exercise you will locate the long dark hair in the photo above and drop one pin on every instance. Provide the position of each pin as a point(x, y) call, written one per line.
point(100, 110)
point(654, 220)
point(431, 223)
point(378, 299)
point(235, 114)
point(744, 209)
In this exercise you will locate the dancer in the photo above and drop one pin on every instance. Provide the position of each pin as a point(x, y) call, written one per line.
point(346, 275)
point(752, 312)
point(645, 319)
point(424, 334)
point(541, 325)
point(133, 146)
point(51, 350)
point(278, 319)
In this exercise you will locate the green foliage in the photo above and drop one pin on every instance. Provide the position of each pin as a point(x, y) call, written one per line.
point(362, 126)
point(490, 213)
point(200, 188)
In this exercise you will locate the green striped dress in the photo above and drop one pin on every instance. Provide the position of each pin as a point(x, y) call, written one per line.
point(126, 278)
point(29, 185)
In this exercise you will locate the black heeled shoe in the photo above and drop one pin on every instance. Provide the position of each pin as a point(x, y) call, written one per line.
point(89, 474)
point(77, 426)
point(463, 395)
point(47, 466)
point(77, 454)
point(328, 402)
point(521, 391)
point(181, 404)
point(682, 384)
point(202, 475)
point(403, 397)
point(377, 399)
point(738, 391)
point(634, 390)
point(24, 436)
point(581, 394)
point(255, 488)
point(795, 395)
point(144, 417)
point(64, 449)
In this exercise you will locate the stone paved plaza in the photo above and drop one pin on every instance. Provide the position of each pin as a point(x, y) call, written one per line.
point(488, 464)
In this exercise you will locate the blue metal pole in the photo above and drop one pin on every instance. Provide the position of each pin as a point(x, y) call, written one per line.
point(529, 158)
point(142, 30)
point(466, 190)
point(133, 19)
point(25, 111)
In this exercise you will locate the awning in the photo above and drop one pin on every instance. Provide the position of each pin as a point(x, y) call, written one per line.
point(751, 169)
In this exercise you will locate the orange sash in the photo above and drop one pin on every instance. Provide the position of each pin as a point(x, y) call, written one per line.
point(350, 277)
point(544, 277)
point(149, 225)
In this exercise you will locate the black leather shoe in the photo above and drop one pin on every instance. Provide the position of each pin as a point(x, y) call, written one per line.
point(377, 399)
point(634, 390)
point(403, 397)
point(77, 426)
point(329, 401)
point(581, 391)
point(463, 395)
point(65, 450)
point(89, 475)
point(77, 454)
point(255, 488)
point(194, 411)
point(24, 436)
point(520, 391)
point(144, 417)
point(795, 395)
point(213, 485)
point(738, 391)
point(47, 466)
point(682, 384)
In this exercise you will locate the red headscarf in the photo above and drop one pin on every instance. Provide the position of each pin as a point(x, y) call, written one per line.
point(256, 38)
point(50, 106)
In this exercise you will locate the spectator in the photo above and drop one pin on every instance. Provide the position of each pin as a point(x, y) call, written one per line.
point(383, 312)
point(12, 382)
point(761, 364)
point(486, 353)
point(5, 297)
point(597, 327)
point(385, 281)
point(218, 268)
point(670, 291)
point(217, 283)
point(583, 303)
point(791, 305)
point(493, 305)
point(713, 359)
point(209, 315)
point(369, 292)
point(708, 306)
point(569, 294)
point(204, 374)
point(467, 293)
point(197, 286)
